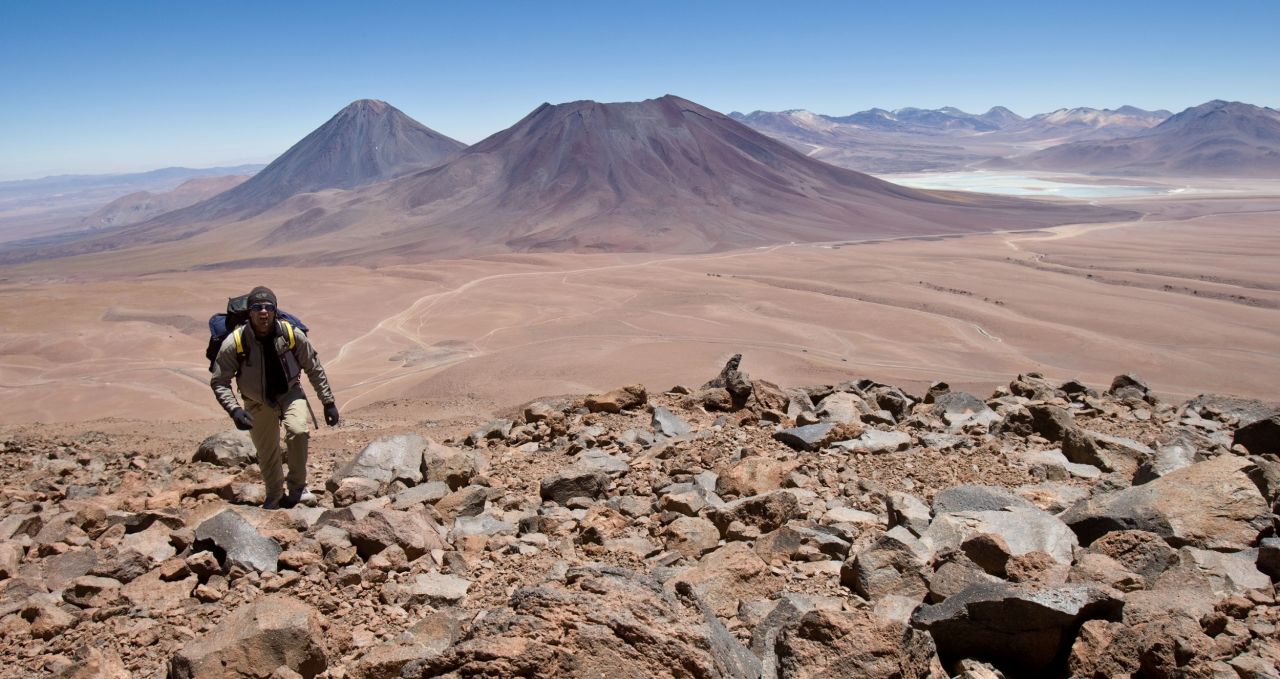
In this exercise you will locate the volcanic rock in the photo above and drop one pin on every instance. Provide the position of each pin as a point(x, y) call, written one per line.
point(967, 498)
point(764, 512)
point(809, 436)
point(1020, 530)
point(274, 631)
point(1211, 505)
point(668, 424)
point(413, 531)
point(394, 458)
point(574, 482)
point(623, 398)
point(1021, 629)
point(822, 644)
point(893, 564)
point(754, 475)
point(600, 621)
point(1261, 437)
point(237, 542)
point(227, 449)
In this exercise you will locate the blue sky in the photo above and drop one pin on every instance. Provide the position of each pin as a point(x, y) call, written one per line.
point(94, 87)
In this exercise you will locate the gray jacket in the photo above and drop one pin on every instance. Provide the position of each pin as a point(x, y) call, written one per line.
point(251, 373)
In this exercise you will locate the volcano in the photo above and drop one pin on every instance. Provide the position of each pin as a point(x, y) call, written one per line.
point(662, 175)
point(666, 175)
point(367, 142)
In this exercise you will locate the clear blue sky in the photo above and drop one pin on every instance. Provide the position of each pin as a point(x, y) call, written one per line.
point(93, 87)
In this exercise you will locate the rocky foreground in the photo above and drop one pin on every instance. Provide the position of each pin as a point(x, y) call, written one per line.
point(734, 530)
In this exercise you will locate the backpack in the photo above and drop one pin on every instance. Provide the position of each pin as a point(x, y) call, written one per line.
point(237, 314)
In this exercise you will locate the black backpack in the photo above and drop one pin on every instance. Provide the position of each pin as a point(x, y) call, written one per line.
point(237, 314)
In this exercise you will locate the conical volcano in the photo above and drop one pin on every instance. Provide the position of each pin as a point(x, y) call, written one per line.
point(669, 175)
point(367, 142)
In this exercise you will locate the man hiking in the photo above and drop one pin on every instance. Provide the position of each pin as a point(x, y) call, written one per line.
point(267, 357)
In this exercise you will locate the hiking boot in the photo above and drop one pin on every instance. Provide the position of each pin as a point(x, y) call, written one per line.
point(297, 497)
point(272, 504)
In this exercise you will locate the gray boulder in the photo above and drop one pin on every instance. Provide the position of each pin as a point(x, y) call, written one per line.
point(594, 459)
point(894, 564)
point(960, 410)
point(977, 499)
point(432, 589)
point(668, 423)
point(1020, 531)
point(237, 542)
point(908, 511)
point(394, 458)
point(227, 449)
point(451, 466)
point(807, 437)
point(874, 441)
point(1167, 459)
point(574, 481)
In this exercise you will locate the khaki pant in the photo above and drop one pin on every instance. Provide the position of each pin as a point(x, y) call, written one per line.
point(292, 411)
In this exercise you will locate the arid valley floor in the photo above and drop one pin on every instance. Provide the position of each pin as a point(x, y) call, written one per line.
point(1187, 296)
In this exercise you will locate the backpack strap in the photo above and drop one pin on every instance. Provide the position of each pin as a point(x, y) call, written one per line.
point(238, 334)
point(288, 328)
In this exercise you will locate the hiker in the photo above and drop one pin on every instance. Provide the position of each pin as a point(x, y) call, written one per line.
point(267, 356)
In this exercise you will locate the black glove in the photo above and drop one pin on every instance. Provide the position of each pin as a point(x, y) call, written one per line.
point(331, 414)
point(242, 418)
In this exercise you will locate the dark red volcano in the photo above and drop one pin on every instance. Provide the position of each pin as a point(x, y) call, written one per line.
point(669, 175)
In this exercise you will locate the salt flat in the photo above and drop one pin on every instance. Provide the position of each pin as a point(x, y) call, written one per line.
point(1188, 297)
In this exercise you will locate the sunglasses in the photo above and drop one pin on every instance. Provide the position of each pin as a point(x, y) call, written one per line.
point(262, 306)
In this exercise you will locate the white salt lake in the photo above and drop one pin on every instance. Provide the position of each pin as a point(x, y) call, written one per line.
point(1024, 185)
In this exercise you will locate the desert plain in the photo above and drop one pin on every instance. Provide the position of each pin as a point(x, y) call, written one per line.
point(1187, 296)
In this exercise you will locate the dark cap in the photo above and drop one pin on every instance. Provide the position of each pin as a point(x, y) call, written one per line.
point(262, 294)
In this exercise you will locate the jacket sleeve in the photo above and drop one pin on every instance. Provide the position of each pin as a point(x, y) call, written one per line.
point(310, 363)
point(225, 367)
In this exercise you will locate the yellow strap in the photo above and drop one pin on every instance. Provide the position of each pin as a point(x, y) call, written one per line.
point(289, 329)
point(236, 333)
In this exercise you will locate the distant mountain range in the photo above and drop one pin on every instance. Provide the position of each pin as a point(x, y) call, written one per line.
point(663, 175)
point(914, 139)
point(141, 206)
point(55, 205)
point(952, 121)
point(1217, 138)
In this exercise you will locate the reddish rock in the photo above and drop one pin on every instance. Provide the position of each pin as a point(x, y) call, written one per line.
point(254, 640)
point(825, 644)
point(623, 398)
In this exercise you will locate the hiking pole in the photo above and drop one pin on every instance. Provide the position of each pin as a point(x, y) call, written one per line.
point(315, 423)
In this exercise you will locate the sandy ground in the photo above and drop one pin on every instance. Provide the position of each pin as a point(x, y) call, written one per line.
point(1188, 297)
